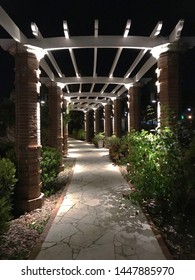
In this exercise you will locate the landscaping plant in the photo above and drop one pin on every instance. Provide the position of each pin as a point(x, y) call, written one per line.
point(50, 163)
point(7, 182)
point(158, 169)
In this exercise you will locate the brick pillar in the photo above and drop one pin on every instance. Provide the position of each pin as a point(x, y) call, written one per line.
point(87, 127)
point(134, 107)
point(65, 129)
point(108, 120)
point(55, 118)
point(169, 82)
point(97, 121)
point(117, 117)
point(28, 143)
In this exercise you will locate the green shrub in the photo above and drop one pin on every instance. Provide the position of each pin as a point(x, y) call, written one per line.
point(81, 134)
point(50, 163)
point(7, 182)
point(189, 166)
point(78, 134)
point(117, 148)
point(155, 167)
point(98, 137)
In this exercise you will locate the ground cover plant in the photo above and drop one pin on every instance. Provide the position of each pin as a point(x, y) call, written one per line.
point(161, 168)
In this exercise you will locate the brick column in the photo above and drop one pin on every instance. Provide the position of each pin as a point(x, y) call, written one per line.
point(87, 127)
point(169, 83)
point(28, 143)
point(55, 118)
point(134, 107)
point(117, 117)
point(108, 120)
point(97, 121)
point(65, 129)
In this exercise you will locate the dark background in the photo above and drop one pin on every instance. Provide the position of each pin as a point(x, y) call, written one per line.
point(112, 16)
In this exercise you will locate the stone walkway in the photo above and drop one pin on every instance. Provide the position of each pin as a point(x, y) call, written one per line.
point(95, 221)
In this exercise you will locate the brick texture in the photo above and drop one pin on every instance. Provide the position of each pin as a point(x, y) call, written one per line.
point(27, 134)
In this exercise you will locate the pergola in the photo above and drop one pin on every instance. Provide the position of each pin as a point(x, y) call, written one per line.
point(84, 93)
point(112, 86)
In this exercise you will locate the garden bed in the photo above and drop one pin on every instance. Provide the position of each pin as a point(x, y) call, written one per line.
point(24, 231)
point(177, 231)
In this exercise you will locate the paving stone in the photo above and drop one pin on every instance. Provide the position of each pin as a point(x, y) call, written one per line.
point(93, 202)
point(81, 240)
point(58, 252)
point(59, 232)
point(101, 252)
point(95, 221)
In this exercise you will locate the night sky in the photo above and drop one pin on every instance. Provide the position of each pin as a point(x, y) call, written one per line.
point(112, 16)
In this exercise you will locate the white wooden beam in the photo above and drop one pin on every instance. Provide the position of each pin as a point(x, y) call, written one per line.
point(7, 23)
point(89, 94)
point(176, 33)
point(144, 69)
point(79, 42)
point(91, 80)
point(38, 35)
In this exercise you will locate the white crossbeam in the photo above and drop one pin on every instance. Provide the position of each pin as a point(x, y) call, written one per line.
point(38, 35)
point(91, 80)
point(176, 33)
point(144, 69)
point(89, 101)
point(67, 37)
point(96, 25)
point(87, 94)
point(7, 23)
point(79, 42)
point(155, 32)
point(119, 51)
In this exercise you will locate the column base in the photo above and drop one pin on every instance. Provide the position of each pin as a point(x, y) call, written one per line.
point(23, 206)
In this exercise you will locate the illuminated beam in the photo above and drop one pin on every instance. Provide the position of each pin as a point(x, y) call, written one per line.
point(67, 37)
point(117, 56)
point(79, 42)
point(89, 94)
point(89, 101)
point(176, 33)
point(7, 23)
point(141, 54)
point(144, 69)
point(96, 25)
point(96, 80)
point(36, 32)
point(155, 32)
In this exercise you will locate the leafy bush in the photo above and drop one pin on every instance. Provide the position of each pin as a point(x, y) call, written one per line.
point(154, 165)
point(50, 163)
point(7, 182)
point(98, 137)
point(81, 134)
point(78, 134)
point(189, 166)
point(118, 148)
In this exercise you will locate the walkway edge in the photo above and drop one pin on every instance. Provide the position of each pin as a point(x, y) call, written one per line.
point(36, 249)
point(153, 227)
